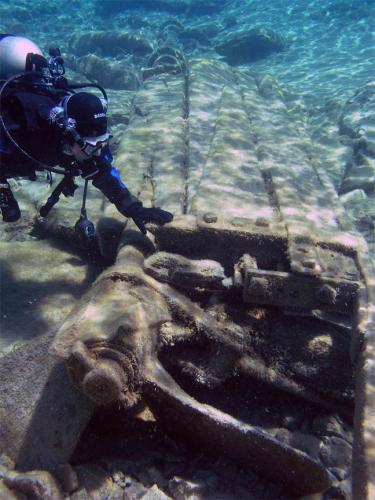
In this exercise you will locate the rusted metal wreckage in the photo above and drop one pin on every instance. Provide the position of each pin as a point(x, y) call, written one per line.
point(259, 279)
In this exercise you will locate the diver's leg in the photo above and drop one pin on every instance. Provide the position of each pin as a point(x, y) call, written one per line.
point(8, 204)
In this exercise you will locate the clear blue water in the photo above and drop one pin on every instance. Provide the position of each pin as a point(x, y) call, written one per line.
point(330, 48)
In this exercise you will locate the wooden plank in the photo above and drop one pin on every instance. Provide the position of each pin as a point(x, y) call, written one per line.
point(230, 181)
point(151, 156)
point(306, 199)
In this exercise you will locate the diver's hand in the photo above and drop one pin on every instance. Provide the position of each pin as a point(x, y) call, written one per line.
point(142, 215)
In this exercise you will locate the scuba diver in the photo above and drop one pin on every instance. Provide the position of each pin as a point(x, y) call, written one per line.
point(48, 123)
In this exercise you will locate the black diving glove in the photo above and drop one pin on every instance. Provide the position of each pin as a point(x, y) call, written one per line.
point(142, 215)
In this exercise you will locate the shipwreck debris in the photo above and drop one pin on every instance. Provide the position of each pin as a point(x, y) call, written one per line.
point(241, 322)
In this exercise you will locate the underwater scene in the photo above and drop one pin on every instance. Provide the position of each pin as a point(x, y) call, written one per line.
point(187, 249)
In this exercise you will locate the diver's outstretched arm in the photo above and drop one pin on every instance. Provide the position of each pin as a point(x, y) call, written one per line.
point(108, 180)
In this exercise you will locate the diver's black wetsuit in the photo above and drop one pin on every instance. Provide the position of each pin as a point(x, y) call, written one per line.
point(26, 117)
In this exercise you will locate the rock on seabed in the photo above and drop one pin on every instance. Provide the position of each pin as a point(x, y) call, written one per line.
point(244, 46)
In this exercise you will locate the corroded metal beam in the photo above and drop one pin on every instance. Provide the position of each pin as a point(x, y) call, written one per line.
point(220, 433)
point(110, 343)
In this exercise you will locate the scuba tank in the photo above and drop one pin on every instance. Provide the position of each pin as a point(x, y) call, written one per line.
point(14, 51)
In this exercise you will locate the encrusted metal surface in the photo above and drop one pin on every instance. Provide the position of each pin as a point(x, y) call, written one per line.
point(256, 282)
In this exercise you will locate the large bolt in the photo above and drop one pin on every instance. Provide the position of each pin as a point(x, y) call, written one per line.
point(210, 218)
point(309, 263)
point(258, 286)
point(105, 382)
point(327, 294)
point(262, 222)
